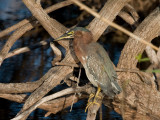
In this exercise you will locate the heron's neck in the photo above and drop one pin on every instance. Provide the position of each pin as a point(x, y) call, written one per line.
point(80, 51)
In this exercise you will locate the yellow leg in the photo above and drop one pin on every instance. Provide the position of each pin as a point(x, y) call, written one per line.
point(94, 101)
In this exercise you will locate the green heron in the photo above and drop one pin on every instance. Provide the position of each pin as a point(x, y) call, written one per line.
point(95, 60)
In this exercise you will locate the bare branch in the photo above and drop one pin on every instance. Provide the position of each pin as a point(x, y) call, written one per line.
point(110, 10)
point(132, 11)
point(56, 74)
point(53, 106)
point(57, 53)
point(125, 16)
point(148, 30)
point(12, 39)
point(138, 94)
point(50, 97)
point(45, 99)
point(19, 87)
point(26, 49)
point(113, 24)
point(31, 19)
point(152, 55)
point(158, 54)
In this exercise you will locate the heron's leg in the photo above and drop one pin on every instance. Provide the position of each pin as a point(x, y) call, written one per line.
point(95, 97)
point(97, 93)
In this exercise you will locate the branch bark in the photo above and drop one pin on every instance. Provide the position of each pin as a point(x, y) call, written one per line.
point(136, 94)
point(113, 7)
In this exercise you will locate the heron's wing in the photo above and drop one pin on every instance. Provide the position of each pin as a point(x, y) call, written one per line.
point(103, 71)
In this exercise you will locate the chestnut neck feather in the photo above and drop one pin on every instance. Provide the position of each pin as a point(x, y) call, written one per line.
point(80, 42)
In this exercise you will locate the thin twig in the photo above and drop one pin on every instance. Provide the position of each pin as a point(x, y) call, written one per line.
point(26, 49)
point(77, 86)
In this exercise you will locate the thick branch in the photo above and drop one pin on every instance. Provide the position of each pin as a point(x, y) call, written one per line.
point(139, 100)
point(51, 97)
point(19, 87)
point(148, 30)
point(109, 11)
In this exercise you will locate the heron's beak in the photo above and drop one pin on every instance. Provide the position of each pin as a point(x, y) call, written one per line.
point(68, 35)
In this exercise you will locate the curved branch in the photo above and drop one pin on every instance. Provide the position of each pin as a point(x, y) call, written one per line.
point(31, 19)
point(110, 10)
point(148, 30)
point(136, 93)
point(48, 98)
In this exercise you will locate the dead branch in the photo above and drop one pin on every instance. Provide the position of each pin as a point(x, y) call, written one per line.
point(138, 95)
point(132, 11)
point(126, 16)
point(93, 109)
point(53, 106)
point(113, 24)
point(110, 15)
point(56, 74)
point(12, 39)
point(155, 64)
point(26, 49)
point(29, 20)
point(57, 53)
point(158, 54)
point(50, 97)
point(152, 56)
point(20, 98)
point(45, 99)
point(145, 29)
point(19, 87)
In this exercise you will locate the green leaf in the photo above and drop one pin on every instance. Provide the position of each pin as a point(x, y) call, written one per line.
point(153, 71)
point(140, 59)
point(144, 60)
point(156, 71)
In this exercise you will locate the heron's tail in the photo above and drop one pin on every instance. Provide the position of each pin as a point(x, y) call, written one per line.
point(112, 89)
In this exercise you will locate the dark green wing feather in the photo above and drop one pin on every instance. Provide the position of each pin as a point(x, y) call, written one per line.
point(102, 69)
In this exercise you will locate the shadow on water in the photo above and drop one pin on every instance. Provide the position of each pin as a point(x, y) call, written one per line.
point(33, 65)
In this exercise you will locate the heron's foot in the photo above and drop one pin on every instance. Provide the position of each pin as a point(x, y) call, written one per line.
point(92, 102)
point(90, 97)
